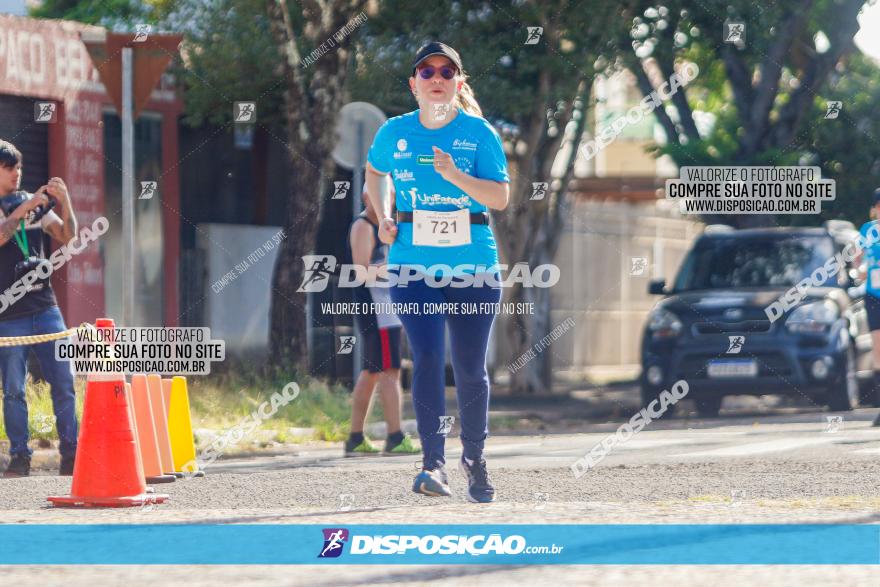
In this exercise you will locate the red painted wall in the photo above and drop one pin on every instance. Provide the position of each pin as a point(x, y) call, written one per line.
point(45, 59)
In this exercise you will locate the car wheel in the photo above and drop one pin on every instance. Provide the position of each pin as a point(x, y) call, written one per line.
point(648, 395)
point(842, 393)
point(708, 406)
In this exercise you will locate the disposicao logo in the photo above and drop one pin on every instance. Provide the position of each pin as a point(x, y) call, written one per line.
point(334, 540)
point(442, 545)
point(491, 544)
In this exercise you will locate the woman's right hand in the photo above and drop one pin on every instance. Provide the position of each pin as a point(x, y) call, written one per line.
point(387, 231)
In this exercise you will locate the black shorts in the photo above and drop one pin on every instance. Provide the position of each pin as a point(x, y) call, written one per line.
point(381, 346)
point(872, 308)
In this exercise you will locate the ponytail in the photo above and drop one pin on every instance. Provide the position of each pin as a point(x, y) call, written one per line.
point(465, 99)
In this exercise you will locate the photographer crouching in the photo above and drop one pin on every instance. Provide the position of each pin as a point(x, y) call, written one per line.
point(28, 307)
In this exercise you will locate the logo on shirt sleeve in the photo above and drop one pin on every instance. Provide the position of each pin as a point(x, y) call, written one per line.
point(402, 153)
point(464, 163)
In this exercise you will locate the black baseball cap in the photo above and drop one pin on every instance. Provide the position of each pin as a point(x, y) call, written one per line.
point(437, 48)
point(877, 196)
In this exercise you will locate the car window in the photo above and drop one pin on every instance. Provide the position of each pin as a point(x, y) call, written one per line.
point(716, 263)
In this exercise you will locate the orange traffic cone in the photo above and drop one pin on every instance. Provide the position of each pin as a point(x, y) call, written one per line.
point(145, 428)
point(134, 430)
point(160, 419)
point(108, 472)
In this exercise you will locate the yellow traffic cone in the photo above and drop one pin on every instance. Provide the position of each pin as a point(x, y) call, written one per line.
point(183, 449)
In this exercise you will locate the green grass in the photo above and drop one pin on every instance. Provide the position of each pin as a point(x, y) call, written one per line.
point(41, 418)
point(504, 422)
point(221, 401)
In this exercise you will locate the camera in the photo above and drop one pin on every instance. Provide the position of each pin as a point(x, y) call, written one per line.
point(25, 266)
point(10, 202)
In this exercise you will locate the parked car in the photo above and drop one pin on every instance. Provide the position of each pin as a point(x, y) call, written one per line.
point(711, 328)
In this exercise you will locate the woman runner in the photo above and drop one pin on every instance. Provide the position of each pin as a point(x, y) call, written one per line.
point(448, 169)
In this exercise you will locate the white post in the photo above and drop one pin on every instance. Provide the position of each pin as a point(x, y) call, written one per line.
point(128, 260)
point(310, 333)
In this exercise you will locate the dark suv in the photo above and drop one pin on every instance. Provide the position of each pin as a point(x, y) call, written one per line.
point(712, 328)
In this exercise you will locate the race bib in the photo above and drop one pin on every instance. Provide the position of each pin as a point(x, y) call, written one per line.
point(441, 229)
point(874, 278)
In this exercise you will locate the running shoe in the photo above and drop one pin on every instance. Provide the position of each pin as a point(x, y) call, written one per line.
point(67, 464)
point(432, 482)
point(19, 466)
point(404, 447)
point(480, 488)
point(363, 449)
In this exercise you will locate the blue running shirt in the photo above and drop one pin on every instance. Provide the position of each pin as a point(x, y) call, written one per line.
point(403, 148)
point(872, 256)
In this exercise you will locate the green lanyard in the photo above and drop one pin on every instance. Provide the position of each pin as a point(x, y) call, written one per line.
point(22, 241)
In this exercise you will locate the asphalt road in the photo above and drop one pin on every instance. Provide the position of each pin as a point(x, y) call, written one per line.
point(756, 465)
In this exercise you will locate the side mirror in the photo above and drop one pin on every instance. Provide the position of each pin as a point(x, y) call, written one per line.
point(657, 287)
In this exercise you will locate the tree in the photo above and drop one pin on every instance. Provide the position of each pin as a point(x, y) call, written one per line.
point(313, 61)
point(831, 142)
point(227, 44)
point(110, 13)
point(531, 230)
point(761, 89)
point(293, 61)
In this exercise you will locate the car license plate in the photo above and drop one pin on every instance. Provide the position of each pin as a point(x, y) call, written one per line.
point(732, 368)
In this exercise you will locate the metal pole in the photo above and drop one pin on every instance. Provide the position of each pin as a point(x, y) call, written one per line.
point(128, 268)
point(310, 334)
point(357, 182)
point(355, 210)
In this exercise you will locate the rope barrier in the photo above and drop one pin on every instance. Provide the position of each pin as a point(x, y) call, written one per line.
point(38, 338)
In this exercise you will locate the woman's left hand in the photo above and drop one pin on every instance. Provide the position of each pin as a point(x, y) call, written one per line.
point(444, 164)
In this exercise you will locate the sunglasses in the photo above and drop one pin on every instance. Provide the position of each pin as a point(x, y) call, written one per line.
point(428, 72)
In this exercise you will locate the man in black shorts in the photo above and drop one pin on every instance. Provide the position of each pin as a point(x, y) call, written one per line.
point(380, 341)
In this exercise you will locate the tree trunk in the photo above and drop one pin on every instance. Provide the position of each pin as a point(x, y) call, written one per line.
point(547, 222)
point(313, 95)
